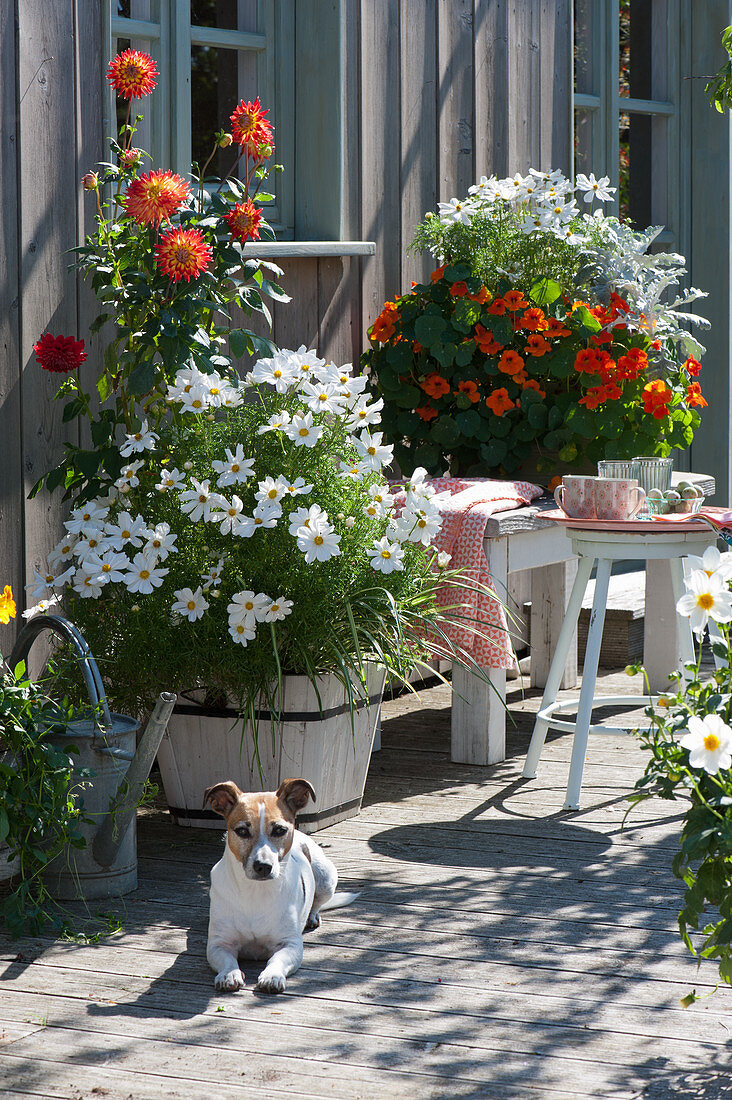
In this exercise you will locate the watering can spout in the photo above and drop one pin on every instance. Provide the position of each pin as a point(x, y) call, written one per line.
point(112, 830)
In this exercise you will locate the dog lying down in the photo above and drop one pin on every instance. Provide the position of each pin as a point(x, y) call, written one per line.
point(269, 887)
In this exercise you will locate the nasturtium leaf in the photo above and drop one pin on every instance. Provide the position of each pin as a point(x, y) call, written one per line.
point(536, 415)
point(501, 327)
point(545, 291)
point(465, 314)
point(428, 329)
point(469, 422)
point(493, 453)
point(590, 324)
point(464, 353)
point(429, 456)
point(407, 397)
point(524, 431)
point(445, 432)
point(456, 273)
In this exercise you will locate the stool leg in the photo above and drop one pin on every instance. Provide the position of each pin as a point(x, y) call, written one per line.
point(556, 672)
point(587, 693)
point(685, 633)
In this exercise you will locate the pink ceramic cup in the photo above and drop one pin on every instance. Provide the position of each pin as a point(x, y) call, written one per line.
point(576, 496)
point(617, 498)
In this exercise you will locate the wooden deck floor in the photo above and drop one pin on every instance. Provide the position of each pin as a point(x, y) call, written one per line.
point(500, 948)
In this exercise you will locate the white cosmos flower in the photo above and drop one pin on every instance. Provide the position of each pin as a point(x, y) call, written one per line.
point(363, 414)
point(318, 541)
point(195, 400)
point(353, 470)
point(710, 562)
point(352, 385)
point(298, 488)
point(126, 530)
point(374, 510)
point(372, 452)
point(271, 490)
point(242, 633)
point(306, 517)
point(199, 502)
point(386, 556)
point(216, 388)
point(169, 479)
point(709, 742)
point(306, 364)
point(456, 210)
point(443, 559)
point(243, 527)
point(302, 432)
point(228, 517)
point(128, 478)
point(142, 440)
point(107, 567)
point(418, 526)
point(381, 495)
point(185, 379)
point(277, 610)
point(277, 422)
point(160, 541)
point(212, 579)
point(42, 583)
point(594, 188)
point(266, 515)
point(144, 574)
point(90, 513)
point(483, 187)
point(278, 371)
point(706, 597)
point(93, 540)
point(42, 607)
point(62, 552)
point(322, 396)
point(86, 585)
point(248, 607)
point(236, 469)
point(189, 604)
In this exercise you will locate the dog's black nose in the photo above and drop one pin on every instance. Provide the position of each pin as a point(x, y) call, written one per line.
point(262, 870)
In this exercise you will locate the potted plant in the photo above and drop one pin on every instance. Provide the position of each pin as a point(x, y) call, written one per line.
point(546, 335)
point(689, 740)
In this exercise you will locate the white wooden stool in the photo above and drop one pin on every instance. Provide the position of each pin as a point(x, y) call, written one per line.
point(657, 542)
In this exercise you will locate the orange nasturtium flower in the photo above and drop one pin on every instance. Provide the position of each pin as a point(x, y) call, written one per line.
point(588, 360)
point(459, 290)
point(7, 605)
point(534, 320)
point(556, 328)
point(497, 307)
point(656, 398)
point(537, 345)
point(486, 341)
point(471, 389)
point(499, 402)
point(532, 384)
point(426, 412)
point(183, 254)
point(483, 296)
point(244, 220)
point(384, 326)
point(155, 196)
point(132, 74)
point(594, 397)
point(694, 396)
point(437, 274)
point(692, 366)
point(510, 362)
point(632, 363)
point(515, 300)
point(435, 385)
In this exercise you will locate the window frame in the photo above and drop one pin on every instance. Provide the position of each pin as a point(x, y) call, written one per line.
point(166, 131)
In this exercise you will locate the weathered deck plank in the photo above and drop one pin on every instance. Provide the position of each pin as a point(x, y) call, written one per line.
point(500, 948)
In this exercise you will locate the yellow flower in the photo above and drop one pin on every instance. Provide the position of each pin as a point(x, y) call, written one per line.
point(7, 605)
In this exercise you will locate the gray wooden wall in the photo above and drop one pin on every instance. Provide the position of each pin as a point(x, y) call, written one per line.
point(436, 93)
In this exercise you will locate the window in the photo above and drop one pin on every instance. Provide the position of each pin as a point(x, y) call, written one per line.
point(629, 108)
point(211, 54)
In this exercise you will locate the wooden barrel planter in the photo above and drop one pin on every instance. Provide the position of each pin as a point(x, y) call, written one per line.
point(317, 742)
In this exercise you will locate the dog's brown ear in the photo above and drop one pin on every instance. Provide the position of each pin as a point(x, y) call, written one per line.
point(223, 797)
point(295, 793)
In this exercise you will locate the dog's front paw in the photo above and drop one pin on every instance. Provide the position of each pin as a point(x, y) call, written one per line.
point(312, 922)
point(271, 981)
point(227, 981)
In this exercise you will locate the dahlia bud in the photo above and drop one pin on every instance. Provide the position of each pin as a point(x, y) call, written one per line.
point(224, 140)
point(90, 182)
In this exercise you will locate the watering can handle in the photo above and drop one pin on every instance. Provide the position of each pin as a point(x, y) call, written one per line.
point(73, 635)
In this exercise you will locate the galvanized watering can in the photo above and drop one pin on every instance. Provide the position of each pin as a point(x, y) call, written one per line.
point(107, 866)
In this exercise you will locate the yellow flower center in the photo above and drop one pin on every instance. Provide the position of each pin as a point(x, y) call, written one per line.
point(272, 494)
point(93, 543)
point(232, 511)
point(144, 574)
point(362, 413)
point(65, 549)
point(421, 522)
point(275, 607)
point(277, 374)
point(157, 543)
point(49, 578)
point(305, 366)
point(705, 601)
point(372, 450)
point(197, 404)
point(202, 497)
point(386, 554)
point(138, 436)
point(191, 605)
point(371, 511)
point(318, 540)
point(215, 390)
point(235, 467)
point(240, 629)
point(249, 606)
point(86, 517)
point(711, 742)
point(322, 397)
point(257, 521)
point(106, 568)
point(304, 431)
point(126, 535)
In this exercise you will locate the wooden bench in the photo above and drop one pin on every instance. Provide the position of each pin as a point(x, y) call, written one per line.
point(521, 539)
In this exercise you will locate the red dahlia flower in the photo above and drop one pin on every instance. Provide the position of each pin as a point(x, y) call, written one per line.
point(155, 196)
point(244, 220)
point(59, 354)
point(131, 74)
point(183, 254)
point(249, 125)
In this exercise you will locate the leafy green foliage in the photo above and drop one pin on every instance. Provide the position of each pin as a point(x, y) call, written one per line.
point(719, 88)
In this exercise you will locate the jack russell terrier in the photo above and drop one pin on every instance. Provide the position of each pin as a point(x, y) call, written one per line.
point(269, 886)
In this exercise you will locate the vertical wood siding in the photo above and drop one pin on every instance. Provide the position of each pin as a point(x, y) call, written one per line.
point(437, 93)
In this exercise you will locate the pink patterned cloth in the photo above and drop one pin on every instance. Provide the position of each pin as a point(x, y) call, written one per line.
point(464, 515)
